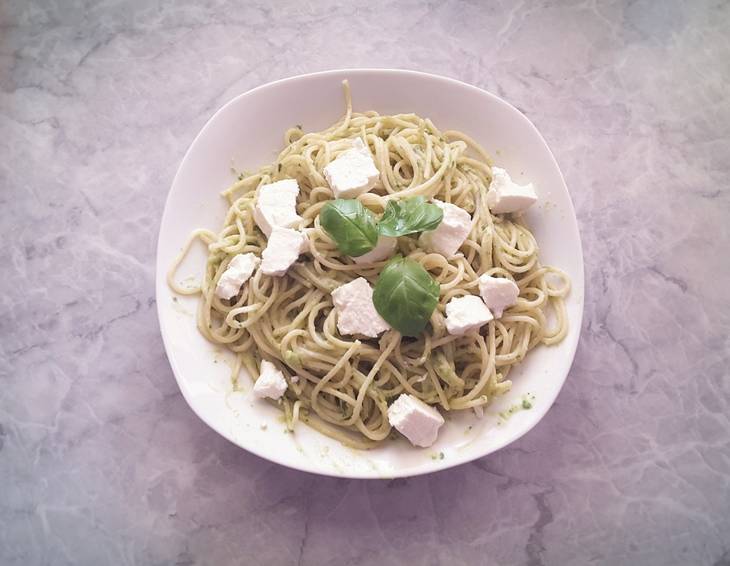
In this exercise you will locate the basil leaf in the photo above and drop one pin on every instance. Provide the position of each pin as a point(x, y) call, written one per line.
point(409, 216)
point(405, 295)
point(350, 225)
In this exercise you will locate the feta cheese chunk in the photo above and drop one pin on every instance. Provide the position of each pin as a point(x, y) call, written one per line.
point(464, 314)
point(382, 250)
point(239, 270)
point(507, 196)
point(282, 250)
point(352, 172)
point(276, 205)
point(498, 293)
point(415, 420)
point(271, 382)
point(448, 236)
point(356, 312)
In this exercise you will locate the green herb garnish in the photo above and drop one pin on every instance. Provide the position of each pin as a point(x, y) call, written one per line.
point(355, 229)
point(350, 225)
point(409, 216)
point(405, 295)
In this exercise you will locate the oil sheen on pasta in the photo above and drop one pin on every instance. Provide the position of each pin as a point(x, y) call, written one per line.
point(344, 385)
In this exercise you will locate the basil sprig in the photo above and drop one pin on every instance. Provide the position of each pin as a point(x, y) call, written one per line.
point(355, 229)
point(409, 216)
point(405, 295)
point(350, 225)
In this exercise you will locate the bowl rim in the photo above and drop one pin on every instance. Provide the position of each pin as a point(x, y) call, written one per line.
point(161, 273)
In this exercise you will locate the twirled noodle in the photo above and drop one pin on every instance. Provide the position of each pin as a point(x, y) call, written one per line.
point(344, 384)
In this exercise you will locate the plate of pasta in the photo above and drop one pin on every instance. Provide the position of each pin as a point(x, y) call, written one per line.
point(369, 273)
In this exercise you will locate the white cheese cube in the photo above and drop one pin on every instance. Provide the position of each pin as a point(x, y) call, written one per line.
point(498, 293)
point(238, 271)
point(465, 314)
point(271, 382)
point(352, 172)
point(356, 312)
point(448, 236)
point(382, 250)
point(276, 205)
point(282, 250)
point(415, 420)
point(507, 196)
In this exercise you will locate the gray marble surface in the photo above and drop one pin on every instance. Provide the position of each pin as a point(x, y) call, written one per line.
point(101, 460)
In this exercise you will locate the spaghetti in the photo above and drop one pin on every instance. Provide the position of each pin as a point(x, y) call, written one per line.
point(340, 385)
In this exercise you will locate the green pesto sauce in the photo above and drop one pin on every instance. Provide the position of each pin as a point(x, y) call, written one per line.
point(291, 358)
point(525, 404)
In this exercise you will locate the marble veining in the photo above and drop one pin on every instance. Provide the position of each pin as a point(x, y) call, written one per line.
point(101, 460)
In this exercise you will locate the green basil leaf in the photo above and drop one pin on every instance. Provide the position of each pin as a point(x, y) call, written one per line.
point(409, 216)
point(405, 295)
point(350, 225)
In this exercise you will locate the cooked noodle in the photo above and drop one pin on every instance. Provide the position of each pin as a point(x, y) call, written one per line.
point(344, 384)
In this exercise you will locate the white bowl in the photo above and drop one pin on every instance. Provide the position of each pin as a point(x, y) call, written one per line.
point(248, 132)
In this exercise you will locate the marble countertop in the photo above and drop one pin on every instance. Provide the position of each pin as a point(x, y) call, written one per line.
point(101, 460)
